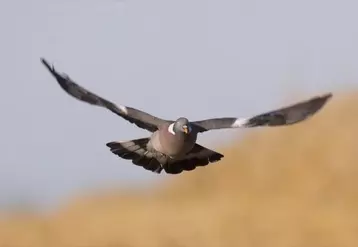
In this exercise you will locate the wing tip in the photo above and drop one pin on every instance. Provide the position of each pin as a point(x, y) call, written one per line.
point(49, 67)
point(61, 79)
point(46, 64)
point(326, 96)
point(322, 100)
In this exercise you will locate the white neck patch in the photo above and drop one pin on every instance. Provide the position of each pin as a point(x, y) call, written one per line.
point(171, 129)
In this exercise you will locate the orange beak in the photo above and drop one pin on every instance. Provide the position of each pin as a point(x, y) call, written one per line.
point(185, 128)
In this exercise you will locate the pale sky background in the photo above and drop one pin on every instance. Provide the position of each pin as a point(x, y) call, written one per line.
point(198, 58)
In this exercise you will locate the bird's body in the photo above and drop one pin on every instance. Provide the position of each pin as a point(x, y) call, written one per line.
point(164, 149)
point(172, 145)
point(175, 146)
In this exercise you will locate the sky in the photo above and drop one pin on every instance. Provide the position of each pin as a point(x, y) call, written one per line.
point(197, 58)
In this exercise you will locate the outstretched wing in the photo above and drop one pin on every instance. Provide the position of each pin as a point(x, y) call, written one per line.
point(284, 116)
point(135, 116)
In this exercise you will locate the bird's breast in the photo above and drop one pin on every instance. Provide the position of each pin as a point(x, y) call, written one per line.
point(172, 145)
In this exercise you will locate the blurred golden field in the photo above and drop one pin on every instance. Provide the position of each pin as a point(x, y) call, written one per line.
point(292, 186)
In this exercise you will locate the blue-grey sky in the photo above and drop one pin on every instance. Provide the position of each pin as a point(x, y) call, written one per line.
point(198, 58)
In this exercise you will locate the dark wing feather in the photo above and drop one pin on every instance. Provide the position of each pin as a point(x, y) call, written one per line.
point(284, 116)
point(136, 151)
point(135, 116)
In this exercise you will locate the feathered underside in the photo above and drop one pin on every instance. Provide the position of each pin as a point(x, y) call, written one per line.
point(136, 151)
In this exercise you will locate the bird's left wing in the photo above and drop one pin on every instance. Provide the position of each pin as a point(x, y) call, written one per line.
point(284, 116)
point(135, 116)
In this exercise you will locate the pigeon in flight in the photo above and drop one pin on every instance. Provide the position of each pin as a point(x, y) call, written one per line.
point(172, 144)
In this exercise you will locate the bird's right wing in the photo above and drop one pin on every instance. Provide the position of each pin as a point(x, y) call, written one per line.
point(135, 116)
point(284, 116)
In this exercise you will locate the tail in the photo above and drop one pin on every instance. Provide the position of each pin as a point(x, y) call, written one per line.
point(136, 151)
point(198, 156)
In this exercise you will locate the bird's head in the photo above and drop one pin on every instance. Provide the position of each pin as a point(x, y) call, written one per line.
point(182, 125)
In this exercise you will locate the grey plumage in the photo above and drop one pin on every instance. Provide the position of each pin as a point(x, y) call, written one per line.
point(139, 118)
point(287, 115)
point(172, 144)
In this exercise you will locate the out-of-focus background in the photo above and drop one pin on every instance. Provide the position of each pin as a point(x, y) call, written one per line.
point(291, 186)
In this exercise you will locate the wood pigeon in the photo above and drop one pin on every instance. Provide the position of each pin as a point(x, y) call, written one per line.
point(172, 144)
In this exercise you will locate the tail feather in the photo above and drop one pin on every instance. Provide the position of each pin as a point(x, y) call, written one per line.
point(198, 156)
point(136, 150)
